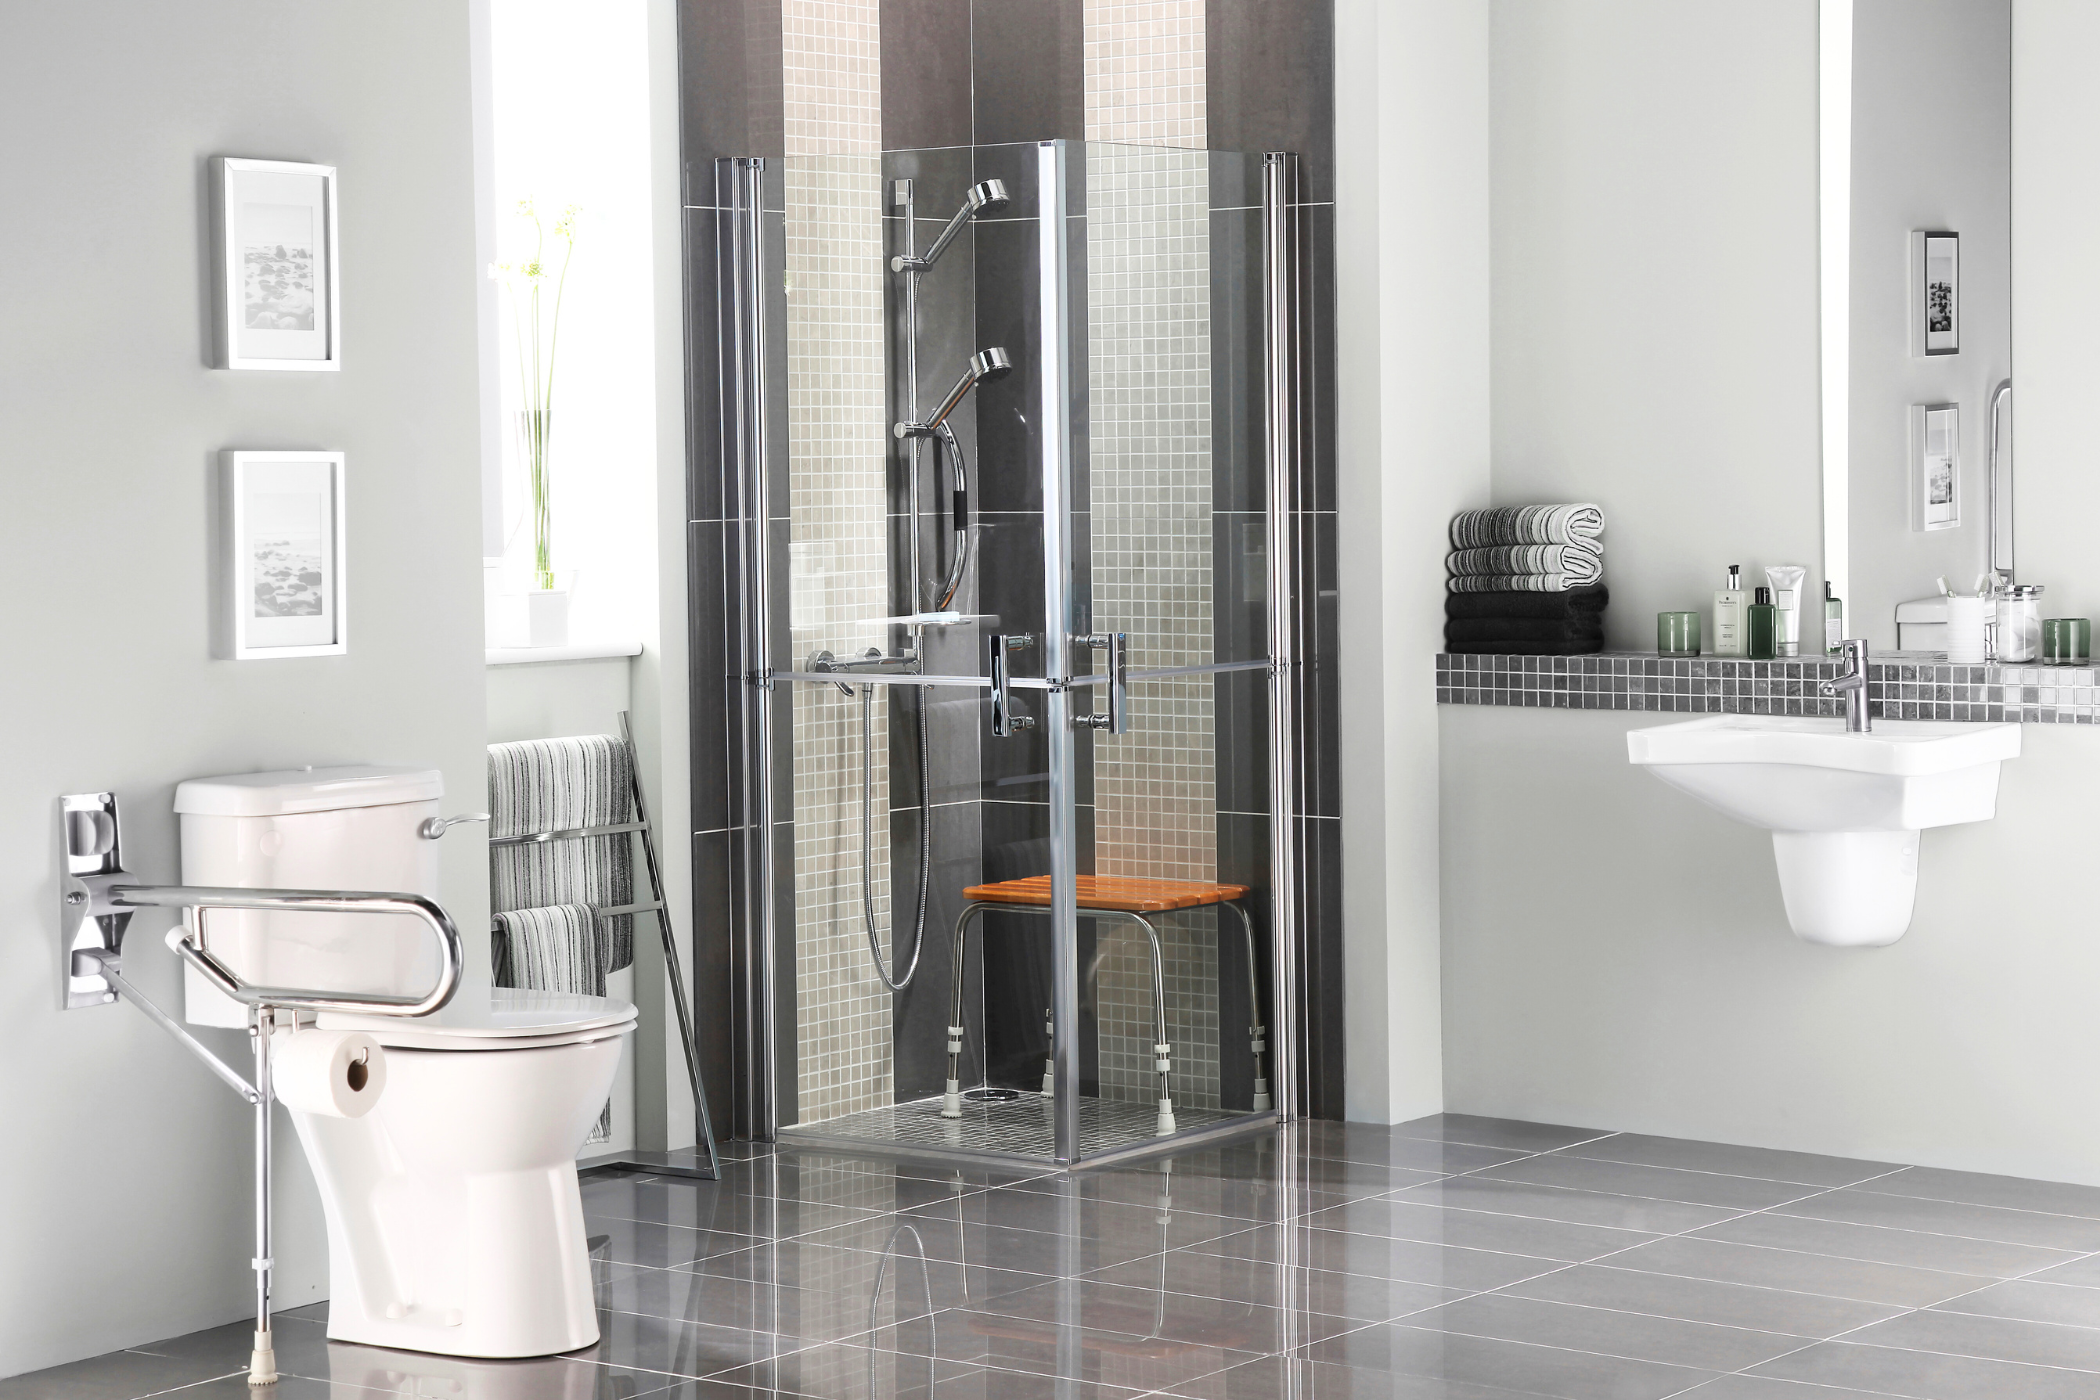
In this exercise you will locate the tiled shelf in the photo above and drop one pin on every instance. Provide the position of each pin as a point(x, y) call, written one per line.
point(1901, 685)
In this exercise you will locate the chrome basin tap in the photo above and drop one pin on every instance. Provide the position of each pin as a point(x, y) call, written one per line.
point(1852, 684)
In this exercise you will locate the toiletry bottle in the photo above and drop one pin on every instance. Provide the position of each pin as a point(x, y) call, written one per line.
point(1728, 614)
point(1833, 621)
point(1761, 627)
point(1786, 596)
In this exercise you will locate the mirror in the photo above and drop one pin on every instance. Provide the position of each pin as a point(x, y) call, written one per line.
point(1916, 306)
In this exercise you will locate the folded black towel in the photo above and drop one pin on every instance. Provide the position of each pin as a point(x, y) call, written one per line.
point(1573, 602)
point(1524, 629)
point(1584, 647)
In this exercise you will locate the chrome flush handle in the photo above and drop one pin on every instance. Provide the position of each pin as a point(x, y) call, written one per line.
point(438, 826)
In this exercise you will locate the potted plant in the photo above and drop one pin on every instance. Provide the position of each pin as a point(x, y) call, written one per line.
point(536, 332)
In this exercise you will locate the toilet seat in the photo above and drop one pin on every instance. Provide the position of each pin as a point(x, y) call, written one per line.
point(507, 1018)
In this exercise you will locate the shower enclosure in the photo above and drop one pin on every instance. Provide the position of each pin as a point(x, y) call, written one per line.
point(1018, 654)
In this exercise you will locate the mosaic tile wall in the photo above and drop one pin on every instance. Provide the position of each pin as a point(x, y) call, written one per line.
point(1148, 282)
point(838, 550)
point(1900, 685)
point(1144, 62)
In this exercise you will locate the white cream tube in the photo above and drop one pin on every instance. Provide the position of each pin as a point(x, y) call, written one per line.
point(1786, 596)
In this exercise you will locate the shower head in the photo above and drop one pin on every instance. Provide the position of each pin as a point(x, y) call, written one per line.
point(987, 196)
point(985, 366)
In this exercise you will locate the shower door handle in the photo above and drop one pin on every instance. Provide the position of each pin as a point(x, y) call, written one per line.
point(1117, 718)
point(1005, 723)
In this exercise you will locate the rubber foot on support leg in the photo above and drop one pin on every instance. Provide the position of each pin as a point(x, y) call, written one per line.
point(1262, 1103)
point(1166, 1118)
point(262, 1362)
point(1049, 1082)
point(951, 1100)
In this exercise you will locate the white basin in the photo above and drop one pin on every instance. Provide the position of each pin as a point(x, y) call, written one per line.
point(1844, 809)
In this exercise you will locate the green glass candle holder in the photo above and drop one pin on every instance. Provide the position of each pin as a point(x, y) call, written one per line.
point(1677, 633)
point(2067, 641)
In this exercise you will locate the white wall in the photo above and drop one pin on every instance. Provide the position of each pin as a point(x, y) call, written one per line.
point(1655, 276)
point(1616, 955)
point(1411, 103)
point(123, 1191)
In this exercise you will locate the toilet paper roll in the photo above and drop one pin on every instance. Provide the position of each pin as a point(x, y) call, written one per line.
point(336, 1074)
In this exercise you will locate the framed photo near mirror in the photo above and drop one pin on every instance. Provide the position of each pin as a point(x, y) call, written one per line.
point(1935, 436)
point(279, 293)
point(1935, 262)
point(284, 569)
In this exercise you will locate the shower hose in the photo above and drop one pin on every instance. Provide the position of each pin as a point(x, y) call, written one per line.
point(867, 823)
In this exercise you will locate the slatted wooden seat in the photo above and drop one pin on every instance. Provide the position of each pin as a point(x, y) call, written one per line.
point(1139, 900)
point(1129, 894)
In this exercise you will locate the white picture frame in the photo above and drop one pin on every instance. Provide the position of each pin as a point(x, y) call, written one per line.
point(1935, 293)
point(1935, 454)
point(285, 558)
point(278, 265)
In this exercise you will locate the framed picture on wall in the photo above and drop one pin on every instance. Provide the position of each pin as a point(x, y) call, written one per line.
point(1935, 448)
point(279, 291)
point(284, 565)
point(1935, 277)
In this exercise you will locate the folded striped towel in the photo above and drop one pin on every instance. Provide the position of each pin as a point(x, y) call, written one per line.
point(559, 785)
point(1583, 563)
point(1518, 583)
point(1563, 524)
point(556, 949)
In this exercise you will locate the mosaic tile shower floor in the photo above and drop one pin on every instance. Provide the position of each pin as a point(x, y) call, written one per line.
point(1452, 1258)
point(1021, 1126)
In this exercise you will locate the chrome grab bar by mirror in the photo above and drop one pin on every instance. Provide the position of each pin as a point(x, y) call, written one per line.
point(1115, 719)
point(1005, 723)
point(2001, 522)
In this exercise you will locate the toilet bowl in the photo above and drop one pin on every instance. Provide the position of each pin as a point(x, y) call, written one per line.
point(455, 1224)
point(454, 1220)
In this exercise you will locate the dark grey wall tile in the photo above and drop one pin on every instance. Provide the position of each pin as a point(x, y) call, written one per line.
point(711, 973)
point(1324, 972)
point(1026, 63)
point(919, 1014)
point(729, 84)
point(1269, 81)
point(926, 87)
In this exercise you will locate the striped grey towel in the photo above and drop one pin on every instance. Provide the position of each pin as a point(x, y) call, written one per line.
point(1564, 524)
point(1582, 564)
point(1516, 583)
point(557, 785)
point(553, 950)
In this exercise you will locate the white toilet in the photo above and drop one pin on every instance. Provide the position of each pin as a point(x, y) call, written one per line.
point(454, 1220)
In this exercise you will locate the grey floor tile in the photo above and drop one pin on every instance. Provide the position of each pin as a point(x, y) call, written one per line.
point(1999, 1338)
point(1004, 1342)
point(2061, 1232)
point(2033, 1301)
point(703, 1206)
point(843, 1372)
point(1643, 1213)
point(1357, 1296)
point(1703, 1346)
point(1663, 1183)
point(673, 1348)
point(1412, 1261)
point(1210, 1191)
point(1977, 1189)
point(357, 1372)
point(1925, 1375)
point(1912, 1248)
point(833, 1271)
point(848, 1309)
point(1768, 1163)
point(1767, 1388)
point(1398, 1217)
point(660, 1246)
point(1495, 1132)
point(1395, 1147)
point(1798, 1271)
point(1704, 1300)
point(2083, 1273)
point(1505, 1365)
point(1233, 1324)
point(120, 1375)
point(1295, 1378)
point(288, 1387)
point(301, 1344)
point(1090, 1217)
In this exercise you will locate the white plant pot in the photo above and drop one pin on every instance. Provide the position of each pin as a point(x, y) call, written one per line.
point(546, 617)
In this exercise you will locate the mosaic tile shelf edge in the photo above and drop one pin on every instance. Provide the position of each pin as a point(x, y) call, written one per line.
point(1901, 685)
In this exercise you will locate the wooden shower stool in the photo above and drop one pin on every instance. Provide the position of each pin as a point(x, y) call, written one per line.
point(1125, 897)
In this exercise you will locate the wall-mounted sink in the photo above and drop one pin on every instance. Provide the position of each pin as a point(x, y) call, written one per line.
point(1844, 809)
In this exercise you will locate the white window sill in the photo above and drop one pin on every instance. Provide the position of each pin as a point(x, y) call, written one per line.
point(575, 651)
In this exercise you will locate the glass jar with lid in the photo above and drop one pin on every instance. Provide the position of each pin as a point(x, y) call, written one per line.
point(2019, 631)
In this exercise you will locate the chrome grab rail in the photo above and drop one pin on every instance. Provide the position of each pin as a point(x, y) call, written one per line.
point(194, 900)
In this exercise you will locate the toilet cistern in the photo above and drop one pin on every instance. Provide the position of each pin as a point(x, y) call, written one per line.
point(1844, 805)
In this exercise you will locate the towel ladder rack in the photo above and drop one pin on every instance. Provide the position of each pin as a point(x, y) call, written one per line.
point(660, 1163)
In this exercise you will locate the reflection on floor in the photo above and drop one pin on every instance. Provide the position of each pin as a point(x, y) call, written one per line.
point(1019, 1126)
point(1457, 1258)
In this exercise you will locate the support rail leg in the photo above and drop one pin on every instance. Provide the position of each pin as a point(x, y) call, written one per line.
point(262, 1361)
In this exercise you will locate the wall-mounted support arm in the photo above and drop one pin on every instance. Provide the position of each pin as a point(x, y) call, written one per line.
point(106, 964)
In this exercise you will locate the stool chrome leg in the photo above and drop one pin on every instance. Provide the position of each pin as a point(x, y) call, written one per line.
point(1050, 1054)
point(1162, 1051)
point(1256, 1031)
point(951, 1097)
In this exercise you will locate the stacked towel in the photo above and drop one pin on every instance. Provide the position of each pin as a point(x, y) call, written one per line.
point(559, 785)
point(1527, 580)
point(1567, 623)
point(1526, 549)
point(555, 949)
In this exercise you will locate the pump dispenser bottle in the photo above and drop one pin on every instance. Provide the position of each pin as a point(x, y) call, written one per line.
point(1728, 614)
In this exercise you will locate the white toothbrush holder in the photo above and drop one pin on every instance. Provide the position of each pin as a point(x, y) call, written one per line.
point(1965, 633)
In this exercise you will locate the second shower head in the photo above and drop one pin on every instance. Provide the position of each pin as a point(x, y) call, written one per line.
point(986, 366)
point(985, 197)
